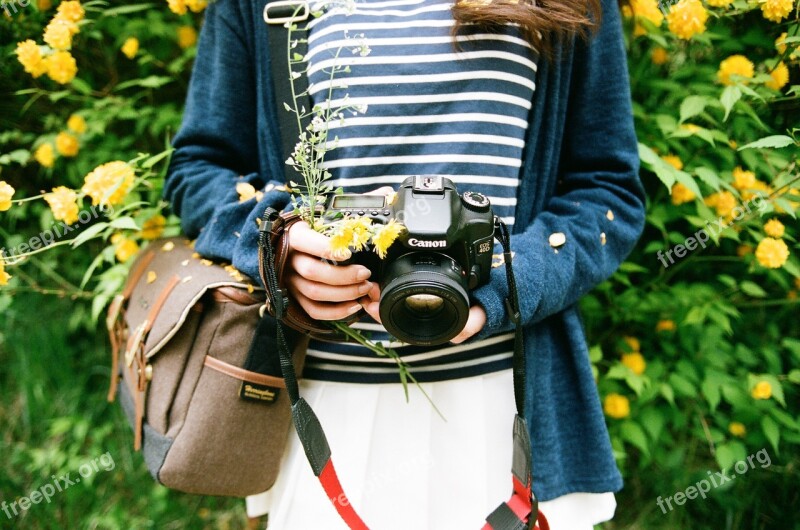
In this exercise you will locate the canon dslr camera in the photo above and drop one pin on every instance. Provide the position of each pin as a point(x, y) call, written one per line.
point(445, 251)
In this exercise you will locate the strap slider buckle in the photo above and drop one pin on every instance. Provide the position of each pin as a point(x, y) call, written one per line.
point(286, 12)
point(513, 314)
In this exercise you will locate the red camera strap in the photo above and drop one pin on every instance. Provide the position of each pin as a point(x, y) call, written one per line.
point(520, 512)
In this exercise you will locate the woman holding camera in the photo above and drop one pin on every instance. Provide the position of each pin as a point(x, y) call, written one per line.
point(525, 102)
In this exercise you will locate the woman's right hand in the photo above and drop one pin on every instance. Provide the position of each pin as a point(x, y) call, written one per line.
point(325, 290)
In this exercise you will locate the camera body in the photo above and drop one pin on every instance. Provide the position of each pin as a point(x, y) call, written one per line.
point(444, 251)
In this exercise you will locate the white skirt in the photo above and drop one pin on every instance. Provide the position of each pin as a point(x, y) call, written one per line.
point(402, 466)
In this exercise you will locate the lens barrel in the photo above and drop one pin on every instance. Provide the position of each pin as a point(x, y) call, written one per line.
point(424, 298)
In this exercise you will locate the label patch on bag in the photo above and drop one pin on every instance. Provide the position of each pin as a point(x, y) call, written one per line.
point(259, 393)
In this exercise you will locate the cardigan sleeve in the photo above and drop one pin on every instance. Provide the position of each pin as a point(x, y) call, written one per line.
point(598, 204)
point(216, 146)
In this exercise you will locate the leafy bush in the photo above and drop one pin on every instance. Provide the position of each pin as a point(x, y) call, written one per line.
point(693, 339)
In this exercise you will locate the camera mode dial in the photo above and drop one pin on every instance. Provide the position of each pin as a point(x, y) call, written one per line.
point(477, 202)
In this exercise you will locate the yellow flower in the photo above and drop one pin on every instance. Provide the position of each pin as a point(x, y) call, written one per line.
point(737, 429)
point(4, 276)
point(44, 155)
point(350, 232)
point(774, 228)
point(76, 124)
point(691, 127)
point(64, 204)
point(780, 44)
point(735, 65)
point(719, 3)
point(779, 76)
point(44, 5)
point(635, 361)
point(187, 37)
point(247, 191)
point(772, 253)
point(177, 6)
point(744, 250)
point(125, 248)
point(196, 5)
point(674, 161)
point(666, 325)
point(58, 34)
point(647, 9)
point(385, 235)
point(723, 201)
point(67, 144)
point(154, 227)
point(682, 194)
point(70, 10)
point(6, 192)
point(109, 184)
point(30, 57)
point(762, 390)
point(659, 55)
point(617, 406)
point(776, 10)
point(130, 48)
point(61, 67)
point(743, 179)
point(633, 343)
point(687, 18)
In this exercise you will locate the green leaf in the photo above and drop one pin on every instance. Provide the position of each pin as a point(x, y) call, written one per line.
point(88, 234)
point(711, 392)
point(596, 354)
point(692, 106)
point(729, 97)
point(634, 434)
point(155, 159)
point(770, 142)
point(124, 223)
point(126, 10)
point(771, 431)
point(752, 289)
point(687, 180)
point(794, 376)
point(729, 453)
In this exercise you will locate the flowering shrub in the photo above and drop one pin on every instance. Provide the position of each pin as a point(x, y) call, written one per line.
point(694, 340)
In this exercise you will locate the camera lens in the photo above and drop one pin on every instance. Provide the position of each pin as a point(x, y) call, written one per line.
point(424, 298)
point(425, 305)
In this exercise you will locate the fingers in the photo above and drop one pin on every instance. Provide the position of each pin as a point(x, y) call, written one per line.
point(314, 269)
point(323, 292)
point(475, 323)
point(303, 239)
point(327, 310)
point(372, 308)
point(383, 190)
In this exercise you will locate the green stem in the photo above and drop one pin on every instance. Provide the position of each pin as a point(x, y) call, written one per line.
point(382, 351)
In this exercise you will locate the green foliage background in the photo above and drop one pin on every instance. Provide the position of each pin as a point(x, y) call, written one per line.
point(709, 327)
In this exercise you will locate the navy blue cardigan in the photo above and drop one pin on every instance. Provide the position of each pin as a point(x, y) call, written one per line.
point(580, 178)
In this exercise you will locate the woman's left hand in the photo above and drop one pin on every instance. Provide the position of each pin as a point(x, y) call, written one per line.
point(475, 321)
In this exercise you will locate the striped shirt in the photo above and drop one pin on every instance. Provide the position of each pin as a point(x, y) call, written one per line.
point(425, 103)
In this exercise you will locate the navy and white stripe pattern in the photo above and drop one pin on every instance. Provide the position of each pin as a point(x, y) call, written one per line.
point(435, 104)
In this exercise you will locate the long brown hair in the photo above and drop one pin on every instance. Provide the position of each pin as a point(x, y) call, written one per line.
point(543, 22)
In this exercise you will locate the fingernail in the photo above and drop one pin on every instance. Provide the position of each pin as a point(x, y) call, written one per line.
point(363, 274)
point(354, 308)
point(365, 287)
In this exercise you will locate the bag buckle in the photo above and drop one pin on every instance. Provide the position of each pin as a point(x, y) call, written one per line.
point(286, 11)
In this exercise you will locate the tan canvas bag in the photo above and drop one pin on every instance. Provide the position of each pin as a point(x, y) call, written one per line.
point(180, 333)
